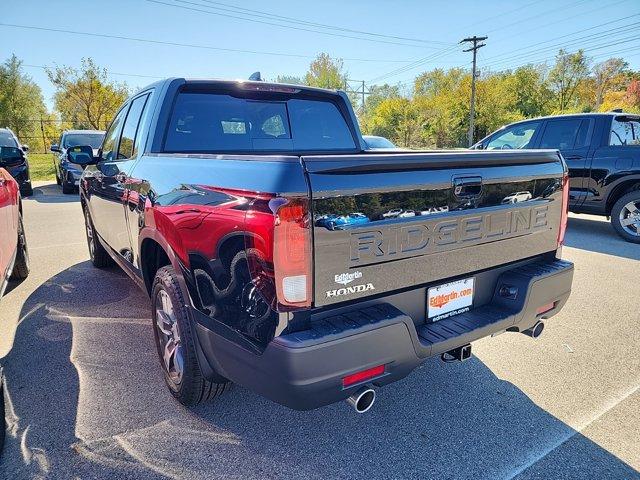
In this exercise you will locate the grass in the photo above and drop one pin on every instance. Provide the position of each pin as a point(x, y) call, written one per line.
point(41, 166)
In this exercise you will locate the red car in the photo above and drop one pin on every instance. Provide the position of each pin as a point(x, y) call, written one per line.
point(14, 257)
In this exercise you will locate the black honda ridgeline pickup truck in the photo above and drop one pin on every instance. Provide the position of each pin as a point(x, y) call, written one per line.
point(281, 255)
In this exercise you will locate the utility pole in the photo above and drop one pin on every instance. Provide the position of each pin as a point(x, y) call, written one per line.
point(476, 46)
point(361, 90)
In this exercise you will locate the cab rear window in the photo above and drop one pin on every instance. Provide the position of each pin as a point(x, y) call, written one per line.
point(213, 122)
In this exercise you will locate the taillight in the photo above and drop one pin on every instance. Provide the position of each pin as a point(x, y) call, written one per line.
point(292, 252)
point(565, 208)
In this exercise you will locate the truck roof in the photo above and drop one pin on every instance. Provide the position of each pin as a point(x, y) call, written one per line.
point(241, 83)
point(574, 115)
point(75, 132)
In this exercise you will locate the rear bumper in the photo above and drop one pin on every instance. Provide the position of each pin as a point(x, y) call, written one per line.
point(304, 370)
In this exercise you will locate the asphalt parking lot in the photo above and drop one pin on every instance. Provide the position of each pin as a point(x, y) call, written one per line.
point(87, 400)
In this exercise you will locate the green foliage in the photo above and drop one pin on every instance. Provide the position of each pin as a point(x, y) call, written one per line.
point(565, 77)
point(326, 72)
point(86, 97)
point(41, 166)
point(21, 103)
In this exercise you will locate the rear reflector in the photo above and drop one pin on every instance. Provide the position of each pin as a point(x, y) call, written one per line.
point(362, 376)
point(545, 308)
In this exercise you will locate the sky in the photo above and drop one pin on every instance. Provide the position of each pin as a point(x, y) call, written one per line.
point(380, 41)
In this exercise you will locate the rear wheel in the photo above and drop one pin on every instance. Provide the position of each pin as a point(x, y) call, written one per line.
point(625, 216)
point(58, 179)
point(21, 267)
point(176, 343)
point(99, 255)
point(27, 191)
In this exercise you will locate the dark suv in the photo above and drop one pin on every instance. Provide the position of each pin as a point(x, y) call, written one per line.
point(68, 174)
point(602, 151)
point(16, 164)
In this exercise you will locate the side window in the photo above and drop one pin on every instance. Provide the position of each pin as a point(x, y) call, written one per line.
point(561, 134)
point(111, 137)
point(514, 137)
point(127, 148)
point(625, 132)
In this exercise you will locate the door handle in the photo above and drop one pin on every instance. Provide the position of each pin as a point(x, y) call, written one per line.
point(574, 157)
point(467, 187)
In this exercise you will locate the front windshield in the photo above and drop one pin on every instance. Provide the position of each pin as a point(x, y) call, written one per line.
point(77, 139)
point(514, 137)
point(7, 140)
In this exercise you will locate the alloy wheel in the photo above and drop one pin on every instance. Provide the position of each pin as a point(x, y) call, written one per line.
point(171, 348)
point(90, 238)
point(630, 218)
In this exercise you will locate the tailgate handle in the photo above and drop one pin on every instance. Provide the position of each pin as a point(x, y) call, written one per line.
point(467, 187)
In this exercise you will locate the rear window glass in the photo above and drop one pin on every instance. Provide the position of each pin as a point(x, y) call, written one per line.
point(6, 140)
point(625, 132)
point(211, 122)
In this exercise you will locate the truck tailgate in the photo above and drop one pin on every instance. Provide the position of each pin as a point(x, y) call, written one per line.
point(388, 221)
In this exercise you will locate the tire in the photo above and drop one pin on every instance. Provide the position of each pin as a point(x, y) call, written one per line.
point(27, 191)
point(100, 258)
point(21, 267)
point(68, 188)
point(58, 179)
point(3, 425)
point(181, 370)
point(623, 210)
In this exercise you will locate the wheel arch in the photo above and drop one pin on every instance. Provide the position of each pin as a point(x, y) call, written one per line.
point(624, 186)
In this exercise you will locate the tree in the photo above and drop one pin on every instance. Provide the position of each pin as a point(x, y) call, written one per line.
point(398, 120)
point(21, 102)
point(569, 70)
point(532, 97)
point(378, 93)
point(326, 72)
point(606, 75)
point(86, 97)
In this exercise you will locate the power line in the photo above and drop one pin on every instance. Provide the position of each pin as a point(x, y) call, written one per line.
point(263, 14)
point(581, 41)
point(589, 49)
point(184, 45)
point(440, 54)
point(567, 35)
point(291, 27)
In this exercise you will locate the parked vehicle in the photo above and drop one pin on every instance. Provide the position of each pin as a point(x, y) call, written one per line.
point(341, 221)
point(68, 174)
point(14, 256)
point(373, 142)
point(16, 164)
point(517, 197)
point(204, 193)
point(393, 213)
point(602, 151)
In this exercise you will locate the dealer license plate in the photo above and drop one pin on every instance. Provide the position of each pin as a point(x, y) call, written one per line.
point(449, 299)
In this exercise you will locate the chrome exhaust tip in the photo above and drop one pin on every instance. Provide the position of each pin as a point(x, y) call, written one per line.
point(363, 399)
point(535, 331)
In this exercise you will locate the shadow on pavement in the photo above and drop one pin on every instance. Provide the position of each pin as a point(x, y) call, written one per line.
point(598, 236)
point(87, 397)
point(52, 193)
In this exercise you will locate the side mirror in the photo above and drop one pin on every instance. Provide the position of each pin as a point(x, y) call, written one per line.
point(25, 148)
point(11, 155)
point(81, 155)
point(55, 148)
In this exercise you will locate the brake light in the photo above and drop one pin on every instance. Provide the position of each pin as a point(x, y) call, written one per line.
point(292, 252)
point(565, 209)
point(362, 376)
